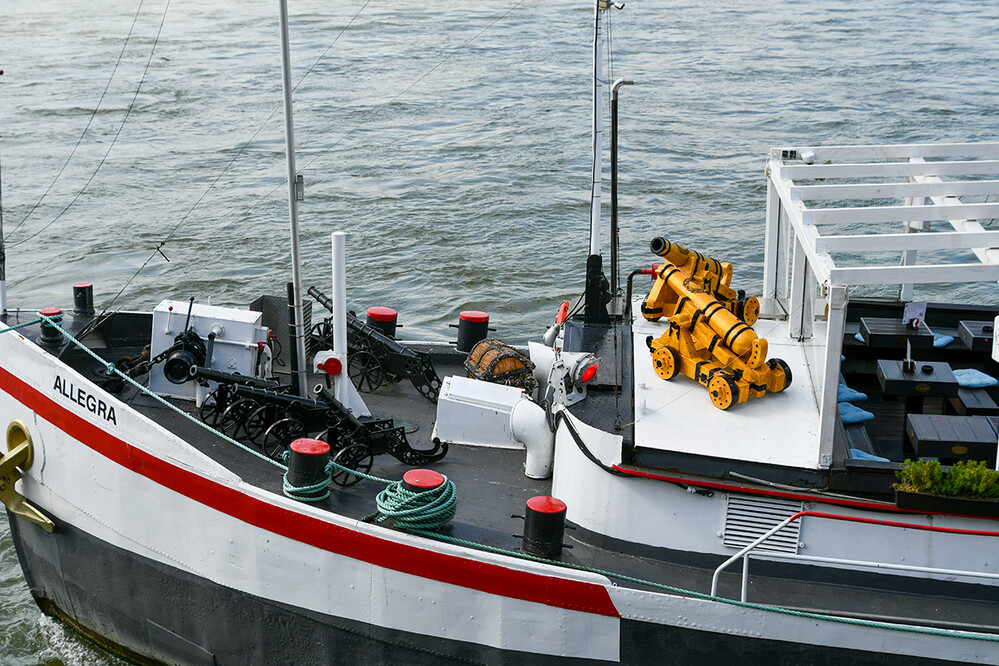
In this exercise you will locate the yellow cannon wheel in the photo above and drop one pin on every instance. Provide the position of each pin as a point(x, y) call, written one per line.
point(724, 391)
point(666, 362)
point(750, 310)
point(780, 375)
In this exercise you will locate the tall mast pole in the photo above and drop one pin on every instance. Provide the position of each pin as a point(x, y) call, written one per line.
point(294, 193)
point(3, 250)
point(598, 127)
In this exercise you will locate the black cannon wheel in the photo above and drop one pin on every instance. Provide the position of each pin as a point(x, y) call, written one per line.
point(355, 456)
point(279, 435)
point(235, 417)
point(365, 371)
point(321, 336)
point(211, 408)
point(257, 423)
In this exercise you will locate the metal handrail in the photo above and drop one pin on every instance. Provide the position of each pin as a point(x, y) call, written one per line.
point(853, 519)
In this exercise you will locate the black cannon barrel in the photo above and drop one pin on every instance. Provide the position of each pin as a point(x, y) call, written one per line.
point(321, 298)
point(208, 374)
point(264, 396)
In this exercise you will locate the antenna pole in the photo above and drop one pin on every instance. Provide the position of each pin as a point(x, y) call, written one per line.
point(614, 235)
point(295, 193)
point(598, 128)
point(3, 250)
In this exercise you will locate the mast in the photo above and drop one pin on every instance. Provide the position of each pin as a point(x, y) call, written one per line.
point(598, 128)
point(3, 250)
point(295, 193)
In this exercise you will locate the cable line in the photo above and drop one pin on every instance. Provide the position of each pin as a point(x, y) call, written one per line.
point(116, 135)
point(89, 122)
point(239, 153)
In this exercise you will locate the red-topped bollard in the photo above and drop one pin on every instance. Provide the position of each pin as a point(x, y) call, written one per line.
point(473, 326)
point(83, 298)
point(544, 527)
point(51, 337)
point(307, 468)
point(383, 319)
point(422, 480)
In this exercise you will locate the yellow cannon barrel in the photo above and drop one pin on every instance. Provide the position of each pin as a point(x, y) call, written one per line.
point(678, 255)
point(735, 334)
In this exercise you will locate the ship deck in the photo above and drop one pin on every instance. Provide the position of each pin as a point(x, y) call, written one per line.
point(492, 488)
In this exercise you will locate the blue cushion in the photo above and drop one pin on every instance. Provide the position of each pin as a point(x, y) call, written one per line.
point(857, 454)
point(971, 378)
point(941, 340)
point(859, 338)
point(852, 414)
point(847, 394)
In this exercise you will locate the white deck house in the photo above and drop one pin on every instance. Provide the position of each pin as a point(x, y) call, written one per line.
point(838, 217)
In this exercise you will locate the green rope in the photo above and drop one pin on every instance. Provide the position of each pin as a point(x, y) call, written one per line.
point(424, 513)
point(112, 369)
point(14, 328)
point(307, 493)
point(417, 512)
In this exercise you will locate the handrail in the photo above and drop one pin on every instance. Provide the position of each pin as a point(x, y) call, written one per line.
point(852, 519)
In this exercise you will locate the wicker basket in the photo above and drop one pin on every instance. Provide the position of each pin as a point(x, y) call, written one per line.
point(494, 361)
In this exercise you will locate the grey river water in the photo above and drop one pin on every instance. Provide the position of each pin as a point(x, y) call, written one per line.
point(450, 141)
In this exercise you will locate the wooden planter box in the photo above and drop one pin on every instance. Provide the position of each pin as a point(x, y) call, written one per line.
point(986, 508)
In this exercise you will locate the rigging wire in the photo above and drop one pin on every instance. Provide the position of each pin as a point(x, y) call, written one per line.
point(239, 153)
point(381, 107)
point(114, 140)
point(89, 122)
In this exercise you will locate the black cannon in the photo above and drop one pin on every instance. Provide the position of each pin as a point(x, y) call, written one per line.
point(273, 420)
point(373, 358)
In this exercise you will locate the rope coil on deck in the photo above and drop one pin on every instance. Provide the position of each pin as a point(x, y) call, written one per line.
point(426, 511)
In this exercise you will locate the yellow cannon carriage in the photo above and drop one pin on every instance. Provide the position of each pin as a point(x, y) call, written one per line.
point(712, 275)
point(709, 338)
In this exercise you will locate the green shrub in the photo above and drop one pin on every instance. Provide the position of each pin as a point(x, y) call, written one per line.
point(919, 476)
point(971, 479)
point(965, 479)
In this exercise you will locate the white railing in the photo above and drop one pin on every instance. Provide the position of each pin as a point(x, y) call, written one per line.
point(745, 552)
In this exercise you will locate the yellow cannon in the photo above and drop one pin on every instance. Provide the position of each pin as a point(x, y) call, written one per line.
point(705, 340)
point(714, 276)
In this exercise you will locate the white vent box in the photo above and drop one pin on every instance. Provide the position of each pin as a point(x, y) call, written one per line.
point(477, 413)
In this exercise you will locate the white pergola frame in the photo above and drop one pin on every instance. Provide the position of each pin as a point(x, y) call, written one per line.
point(801, 237)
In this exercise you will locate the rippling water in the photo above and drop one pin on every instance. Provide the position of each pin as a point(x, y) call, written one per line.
point(450, 142)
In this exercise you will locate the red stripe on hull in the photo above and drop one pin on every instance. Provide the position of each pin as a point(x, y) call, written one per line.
point(468, 573)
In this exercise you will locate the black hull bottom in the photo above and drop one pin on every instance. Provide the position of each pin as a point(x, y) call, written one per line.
point(152, 613)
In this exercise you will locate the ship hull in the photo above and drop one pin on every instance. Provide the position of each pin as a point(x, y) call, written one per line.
point(165, 556)
point(153, 613)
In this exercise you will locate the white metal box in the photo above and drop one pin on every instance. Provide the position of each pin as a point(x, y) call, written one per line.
point(477, 413)
point(237, 333)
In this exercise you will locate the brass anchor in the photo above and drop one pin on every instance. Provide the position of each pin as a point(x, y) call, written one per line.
point(18, 458)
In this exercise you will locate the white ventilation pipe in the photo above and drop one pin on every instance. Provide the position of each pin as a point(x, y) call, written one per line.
point(529, 425)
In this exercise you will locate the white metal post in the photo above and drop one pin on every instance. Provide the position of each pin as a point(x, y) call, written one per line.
point(799, 291)
point(340, 313)
point(293, 192)
point(838, 297)
point(598, 131)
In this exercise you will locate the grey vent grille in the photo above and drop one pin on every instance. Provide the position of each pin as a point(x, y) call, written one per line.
point(748, 517)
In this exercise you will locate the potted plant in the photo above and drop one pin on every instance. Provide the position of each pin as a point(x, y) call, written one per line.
point(968, 488)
